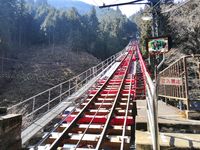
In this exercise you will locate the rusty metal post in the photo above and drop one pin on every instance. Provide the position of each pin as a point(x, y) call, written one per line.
point(186, 85)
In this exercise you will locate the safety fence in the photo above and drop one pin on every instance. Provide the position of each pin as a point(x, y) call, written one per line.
point(180, 82)
point(151, 100)
point(36, 106)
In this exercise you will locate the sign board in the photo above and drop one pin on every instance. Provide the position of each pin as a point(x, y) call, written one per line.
point(171, 81)
point(158, 45)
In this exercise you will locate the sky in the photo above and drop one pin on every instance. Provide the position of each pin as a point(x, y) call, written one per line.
point(127, 10)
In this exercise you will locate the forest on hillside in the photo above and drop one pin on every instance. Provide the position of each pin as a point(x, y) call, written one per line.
point(41, 45)
point(27, 23)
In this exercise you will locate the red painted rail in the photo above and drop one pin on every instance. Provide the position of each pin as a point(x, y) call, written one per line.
point(107, 108)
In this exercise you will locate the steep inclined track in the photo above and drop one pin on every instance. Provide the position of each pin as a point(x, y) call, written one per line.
point(105, 119)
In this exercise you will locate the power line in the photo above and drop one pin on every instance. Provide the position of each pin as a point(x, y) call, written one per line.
point(95, 2)
point(126, 3)
point(156, 4)
point(175, 8)
point(153, 7)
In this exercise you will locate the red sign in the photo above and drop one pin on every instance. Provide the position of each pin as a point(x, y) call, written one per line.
point(170, 81)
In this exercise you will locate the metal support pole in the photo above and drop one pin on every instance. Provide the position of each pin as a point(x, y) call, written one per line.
point(186, 84)
point(76, 84)
point(86, 77)
point(93, 75)
point(60, 92)
point(49, 98)
point(153, 21)
point(162, 62)
point(155, 108)
point(33, 108)
point(69, 87)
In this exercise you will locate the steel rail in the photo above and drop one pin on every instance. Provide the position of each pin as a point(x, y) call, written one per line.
point(56, 143)
point(93, 118)
point(48, 135)
point(57, 125)
point(126, 114)
point(112, 109)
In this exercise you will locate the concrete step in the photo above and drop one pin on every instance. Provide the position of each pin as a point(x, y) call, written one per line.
point(168, 140)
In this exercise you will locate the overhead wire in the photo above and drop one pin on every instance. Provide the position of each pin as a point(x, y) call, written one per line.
point(153, 7)
point(175, 8)
point(95, 3)
point(169, 10)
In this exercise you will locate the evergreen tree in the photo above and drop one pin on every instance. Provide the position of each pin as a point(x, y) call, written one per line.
point(26, 23)
point(8, 14)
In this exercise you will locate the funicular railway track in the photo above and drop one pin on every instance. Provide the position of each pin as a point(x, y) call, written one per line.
point(105, 119)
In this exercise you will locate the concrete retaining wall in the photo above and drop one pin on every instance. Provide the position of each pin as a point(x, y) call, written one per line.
point(10, 132)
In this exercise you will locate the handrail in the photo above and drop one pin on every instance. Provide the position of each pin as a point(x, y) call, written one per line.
point(180, 74)
point(48, 99)
point(151, 102)
point(186, 56)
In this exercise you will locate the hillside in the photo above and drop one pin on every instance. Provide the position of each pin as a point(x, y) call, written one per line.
point(41, 45)
point(183, 24)
point(40, 69)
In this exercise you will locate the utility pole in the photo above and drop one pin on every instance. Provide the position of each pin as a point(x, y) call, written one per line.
point(155, 4)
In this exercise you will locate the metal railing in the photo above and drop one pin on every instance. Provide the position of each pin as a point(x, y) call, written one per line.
point(151, 100)
point(180, 81)
point(36, 106)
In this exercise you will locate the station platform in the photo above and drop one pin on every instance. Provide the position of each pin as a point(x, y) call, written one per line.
point(169, 117)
